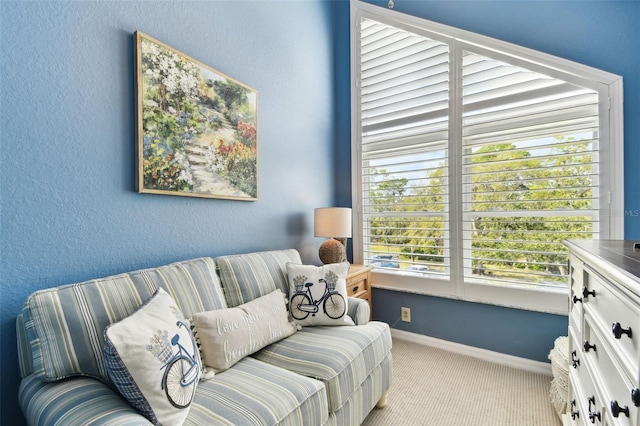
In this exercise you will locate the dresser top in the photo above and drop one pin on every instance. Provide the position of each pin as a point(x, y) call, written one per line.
point(620, 254)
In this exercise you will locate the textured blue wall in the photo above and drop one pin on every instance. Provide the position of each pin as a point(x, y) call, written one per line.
point(68, 206)
point(603, 35)
point(69, 210)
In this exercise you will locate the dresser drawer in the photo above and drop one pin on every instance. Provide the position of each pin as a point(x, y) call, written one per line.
point(576, 274)
point(585, 399)
point(613, 382)
point(617, 316)
point(604, 333)
point(574, 411)
point(359, 284)
point(357, 289)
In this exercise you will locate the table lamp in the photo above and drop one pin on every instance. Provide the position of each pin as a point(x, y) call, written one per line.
point(335, 224)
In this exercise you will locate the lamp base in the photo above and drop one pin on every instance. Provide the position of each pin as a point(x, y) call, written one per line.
point(332, 251)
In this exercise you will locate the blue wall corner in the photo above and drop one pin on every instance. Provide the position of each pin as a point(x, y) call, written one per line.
point(342, 88)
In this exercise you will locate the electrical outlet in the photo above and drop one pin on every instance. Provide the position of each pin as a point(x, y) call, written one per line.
point(405, 314)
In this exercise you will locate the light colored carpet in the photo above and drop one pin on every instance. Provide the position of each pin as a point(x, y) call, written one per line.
point(438, 388)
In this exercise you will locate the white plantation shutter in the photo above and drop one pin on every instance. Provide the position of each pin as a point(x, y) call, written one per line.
point(474, 159)
point(404, 110)
point(530, 172)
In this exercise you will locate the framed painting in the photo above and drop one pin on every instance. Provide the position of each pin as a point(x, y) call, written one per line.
point(196, 127)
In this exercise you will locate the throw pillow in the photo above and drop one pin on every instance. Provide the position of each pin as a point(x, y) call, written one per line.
point(228, 335)
point(207, 372)
point(318, 294)
point(152, 359)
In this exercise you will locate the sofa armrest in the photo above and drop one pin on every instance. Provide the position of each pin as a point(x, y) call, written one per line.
point(358, 310)
point(75, 401)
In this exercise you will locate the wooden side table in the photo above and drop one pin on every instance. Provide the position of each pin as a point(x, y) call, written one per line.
point(359, 283)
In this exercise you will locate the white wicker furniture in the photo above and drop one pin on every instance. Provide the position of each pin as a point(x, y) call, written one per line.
point(559, 388)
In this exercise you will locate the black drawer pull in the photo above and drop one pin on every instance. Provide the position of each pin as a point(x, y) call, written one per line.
point(635, 397)
point(355, 288)
point(575, 361)
point(618, 331)
point(586, 293)
point(574, 414)
point(588, 346)
point(577, 299)
point(594, 415)
point(616, 409)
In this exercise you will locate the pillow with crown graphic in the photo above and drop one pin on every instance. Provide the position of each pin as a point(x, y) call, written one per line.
point(318, 294)
point(152, 359)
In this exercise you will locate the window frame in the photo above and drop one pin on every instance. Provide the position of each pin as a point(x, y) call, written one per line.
point(609, 87)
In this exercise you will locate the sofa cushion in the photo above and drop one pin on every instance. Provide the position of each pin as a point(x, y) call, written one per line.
point(75, 401)
point(365, 397)
point(255, 393)
point(153, 361)
point(228, 335)
point(64, 325)
point(318, 294)
point(341, 357)
point(193, 284)
point(248, 276)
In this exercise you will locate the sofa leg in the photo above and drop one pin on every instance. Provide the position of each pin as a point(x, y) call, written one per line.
point(383, 400)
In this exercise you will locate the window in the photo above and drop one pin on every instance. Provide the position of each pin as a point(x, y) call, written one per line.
point(474, 159)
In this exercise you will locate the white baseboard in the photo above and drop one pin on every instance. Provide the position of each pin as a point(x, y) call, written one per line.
point(484, 354)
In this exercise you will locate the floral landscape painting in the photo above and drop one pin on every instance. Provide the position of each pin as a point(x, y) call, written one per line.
point(197, 128)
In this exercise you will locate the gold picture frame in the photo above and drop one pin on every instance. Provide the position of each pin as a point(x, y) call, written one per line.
point(196, 127)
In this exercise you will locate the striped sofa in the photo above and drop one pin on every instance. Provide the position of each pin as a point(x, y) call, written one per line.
point(317, 376)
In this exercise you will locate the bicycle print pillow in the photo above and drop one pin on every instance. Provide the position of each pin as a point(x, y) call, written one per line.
point(152, 359)
point(318, 294)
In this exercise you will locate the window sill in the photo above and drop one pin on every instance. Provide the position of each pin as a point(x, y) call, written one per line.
point(548, 300)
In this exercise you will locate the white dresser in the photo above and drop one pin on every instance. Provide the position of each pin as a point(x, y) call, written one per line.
point(604, 333)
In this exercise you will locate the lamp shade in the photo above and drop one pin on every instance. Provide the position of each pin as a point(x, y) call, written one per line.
point(332, 222)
